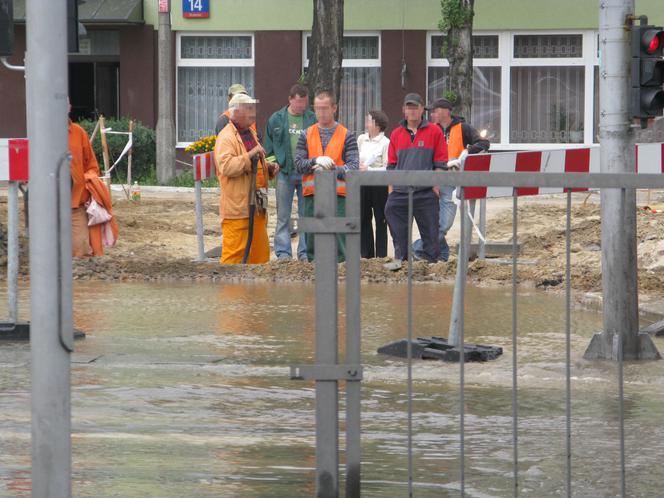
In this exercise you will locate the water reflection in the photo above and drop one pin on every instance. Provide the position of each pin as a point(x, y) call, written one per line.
point(183, 390)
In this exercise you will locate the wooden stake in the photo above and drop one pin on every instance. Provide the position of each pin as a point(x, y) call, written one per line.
point(104, 151)
point(94, 132)
point(129, 154)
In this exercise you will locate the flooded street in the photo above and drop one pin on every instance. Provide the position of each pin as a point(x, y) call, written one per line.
point(183, 390)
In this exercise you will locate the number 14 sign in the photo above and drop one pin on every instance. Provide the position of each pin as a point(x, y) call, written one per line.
point(195, 8)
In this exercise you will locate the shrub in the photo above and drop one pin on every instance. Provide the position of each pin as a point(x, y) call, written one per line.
point(144, 156)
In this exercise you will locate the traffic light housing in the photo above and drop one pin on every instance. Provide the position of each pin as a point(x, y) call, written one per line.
point(647, 71)
point(6, 28)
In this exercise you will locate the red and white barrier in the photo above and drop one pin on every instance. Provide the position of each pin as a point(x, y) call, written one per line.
point(13, 159)
point(649, 159)
point(204, 166)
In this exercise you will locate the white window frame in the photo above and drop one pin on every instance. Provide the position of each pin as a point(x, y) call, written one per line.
point(349, 62)
point(506, 61)
point(187, 62)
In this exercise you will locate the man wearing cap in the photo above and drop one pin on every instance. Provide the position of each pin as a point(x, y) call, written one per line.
point(225, 117)
point(416, 145)
point(241, 159)
point(326, 145)
point(459, 136)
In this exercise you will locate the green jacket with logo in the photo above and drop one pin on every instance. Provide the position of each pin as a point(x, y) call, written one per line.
point(277, 140)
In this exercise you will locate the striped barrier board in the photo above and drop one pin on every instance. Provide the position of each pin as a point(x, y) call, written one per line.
point(649, 159)
point(13, 159)
point(204, 166)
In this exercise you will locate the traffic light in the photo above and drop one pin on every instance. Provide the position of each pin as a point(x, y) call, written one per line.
point(647, 71)
point(6, 28)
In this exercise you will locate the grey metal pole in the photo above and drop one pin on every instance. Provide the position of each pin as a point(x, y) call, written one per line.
point(13, 259)
point(482, 244)
point(199, 220)
point(165, 122)
point(619, 259)
point(327, 399)
point(353, 345)
point(51, 333)
point(462, 270)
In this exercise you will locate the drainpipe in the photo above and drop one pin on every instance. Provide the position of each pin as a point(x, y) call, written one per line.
point(616, 136)
point(50, 247)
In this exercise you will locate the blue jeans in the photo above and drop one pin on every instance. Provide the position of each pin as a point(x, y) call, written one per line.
point(445, 221)
point(287, 185)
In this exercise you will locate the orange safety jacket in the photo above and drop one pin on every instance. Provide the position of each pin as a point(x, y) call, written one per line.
point(227, 113)
point(455, 145)
point(335, 150)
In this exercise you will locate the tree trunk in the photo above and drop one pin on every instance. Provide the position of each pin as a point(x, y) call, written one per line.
point(326, 44)
point(460, 56)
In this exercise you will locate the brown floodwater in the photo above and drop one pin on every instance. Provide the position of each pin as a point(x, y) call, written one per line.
point(183, 390)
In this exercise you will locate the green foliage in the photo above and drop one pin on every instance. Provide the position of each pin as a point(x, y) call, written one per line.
point(186, 179)
point(144, 156)
point(453, 15)
point(451, 96)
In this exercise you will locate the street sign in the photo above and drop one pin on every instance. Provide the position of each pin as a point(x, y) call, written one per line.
point(164, 6)
point(196, 9)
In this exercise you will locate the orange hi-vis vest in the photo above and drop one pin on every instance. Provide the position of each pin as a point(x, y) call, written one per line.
point(335, 150)
point(227, 113)
point(455, 143)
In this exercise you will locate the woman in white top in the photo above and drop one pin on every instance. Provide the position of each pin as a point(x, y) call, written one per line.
point(373, 147)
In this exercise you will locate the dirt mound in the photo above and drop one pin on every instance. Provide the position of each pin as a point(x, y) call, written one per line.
point(158, 242)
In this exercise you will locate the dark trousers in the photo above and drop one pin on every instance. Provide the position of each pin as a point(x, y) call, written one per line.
point(373, 201)
point(425, 212)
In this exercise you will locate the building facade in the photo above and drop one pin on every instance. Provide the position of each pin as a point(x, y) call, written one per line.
point(536, 63)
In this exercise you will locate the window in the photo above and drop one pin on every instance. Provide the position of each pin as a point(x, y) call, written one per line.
point(532, 90)
point(486, 81)
point(547, 94)
point(360, 85)
point(207, 66)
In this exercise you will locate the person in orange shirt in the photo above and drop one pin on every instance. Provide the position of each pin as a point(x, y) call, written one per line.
point(83, 161)
point(240, 158)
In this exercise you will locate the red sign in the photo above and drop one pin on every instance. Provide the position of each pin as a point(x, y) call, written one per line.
point(164, 6)
point(14, 160)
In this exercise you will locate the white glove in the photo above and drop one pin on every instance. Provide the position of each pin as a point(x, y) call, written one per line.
point(454, 164)
point(325, 162)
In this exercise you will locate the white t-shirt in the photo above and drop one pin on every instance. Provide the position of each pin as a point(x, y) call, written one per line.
point(373, 151)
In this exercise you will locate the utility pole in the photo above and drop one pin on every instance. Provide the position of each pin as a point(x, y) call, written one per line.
point(165, 123)
point(619, 258)
point(51, 331)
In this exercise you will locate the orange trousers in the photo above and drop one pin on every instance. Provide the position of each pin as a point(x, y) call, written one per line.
point(236, 233)
point(80, 235)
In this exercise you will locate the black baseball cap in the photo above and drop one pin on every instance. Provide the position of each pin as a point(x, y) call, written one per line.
point(413, 98)
point(442, 103)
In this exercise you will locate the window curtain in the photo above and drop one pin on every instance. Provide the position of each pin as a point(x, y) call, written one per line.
point(547, 104)
point(202, 97)
point(360, 93)
point(486, 97)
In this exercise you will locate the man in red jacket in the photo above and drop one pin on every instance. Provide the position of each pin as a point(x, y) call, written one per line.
point(416, 145)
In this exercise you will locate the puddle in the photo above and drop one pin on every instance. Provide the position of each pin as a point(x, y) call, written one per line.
point(184, 390)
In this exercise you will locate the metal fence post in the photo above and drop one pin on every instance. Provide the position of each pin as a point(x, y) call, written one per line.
point(51, 334)
point(353, 343)
point(199, 220)
point(327, 402)
point(481, 254)
point(13, 251)
point(462, 269)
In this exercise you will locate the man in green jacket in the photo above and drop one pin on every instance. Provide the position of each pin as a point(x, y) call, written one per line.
point(281, 135)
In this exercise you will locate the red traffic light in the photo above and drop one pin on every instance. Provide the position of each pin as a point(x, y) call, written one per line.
point(652, 40)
